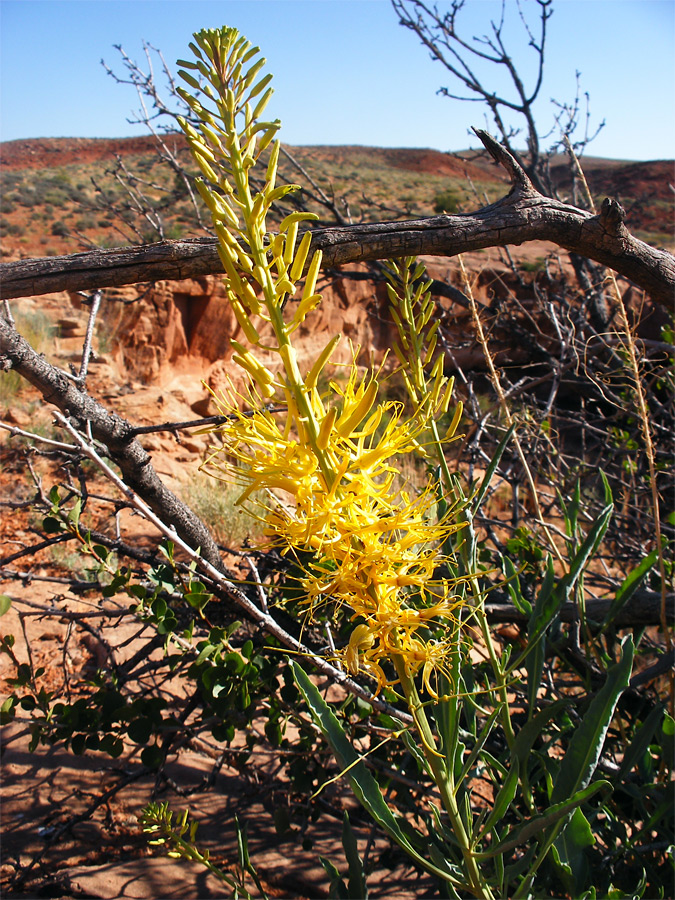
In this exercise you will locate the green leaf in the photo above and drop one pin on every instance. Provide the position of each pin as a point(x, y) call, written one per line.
point(628, 587)
point(362, 782)
point(529, 733)
point(139, 730)
point(198, 599)
point(572, 511)
point(50, 525)
point(357, 877)
point(480, 743)
point(152, 757)
point(642, 738)
point(539, 824)
point(5, 604)
point(491, 469)
point(545, 609)
point(74, 514)
point(414, 750)
point(8, 709)
point(667, 738)
point(571, 844)
point(583, 753)
point(607, 489)
point(337, 889)
point(166, 548)
point(585, 552)
point(521, 603)
point(503, 800)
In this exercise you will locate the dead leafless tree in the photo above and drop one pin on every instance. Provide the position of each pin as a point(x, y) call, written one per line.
point(487, 71)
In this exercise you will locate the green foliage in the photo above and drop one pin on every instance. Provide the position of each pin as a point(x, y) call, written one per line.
point(575, 766)
point(229, 522)
point(157, 821)
point(60, 229)
point(446, 201)
point(39, 331)
point(533, 265)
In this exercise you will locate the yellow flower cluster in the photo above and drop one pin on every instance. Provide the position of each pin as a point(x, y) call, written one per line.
point(330, 466)
point(373, 547)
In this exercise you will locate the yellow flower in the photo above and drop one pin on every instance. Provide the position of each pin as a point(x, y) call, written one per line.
point(330, 464)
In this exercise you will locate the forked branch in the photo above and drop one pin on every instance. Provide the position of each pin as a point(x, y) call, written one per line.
point(522, 215)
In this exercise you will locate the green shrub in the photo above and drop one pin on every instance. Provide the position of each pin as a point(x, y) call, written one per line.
point(446, 202)
point(533, 265)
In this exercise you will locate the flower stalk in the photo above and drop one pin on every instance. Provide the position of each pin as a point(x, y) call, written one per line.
point(374, 548)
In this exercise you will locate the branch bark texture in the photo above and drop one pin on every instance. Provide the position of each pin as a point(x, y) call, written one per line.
point(643, 608)
point(522, 215)
point(112, 430)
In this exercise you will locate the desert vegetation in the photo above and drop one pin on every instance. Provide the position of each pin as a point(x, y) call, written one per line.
point(419, 600)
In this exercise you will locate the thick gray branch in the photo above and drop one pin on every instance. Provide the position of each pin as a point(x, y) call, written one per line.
point(523, 215)
point(110, 429)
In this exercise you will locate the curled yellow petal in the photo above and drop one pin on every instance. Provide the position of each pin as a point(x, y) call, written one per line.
point(321, 361)
point(323, 440)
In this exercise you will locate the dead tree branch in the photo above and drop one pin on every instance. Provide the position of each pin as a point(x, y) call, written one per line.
point(522, 215)
point(112, 430)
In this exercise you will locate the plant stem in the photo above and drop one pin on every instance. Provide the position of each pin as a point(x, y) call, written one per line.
point(468, 561)
point(443, 777)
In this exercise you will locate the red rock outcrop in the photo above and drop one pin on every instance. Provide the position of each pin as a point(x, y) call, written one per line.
point(185, 327)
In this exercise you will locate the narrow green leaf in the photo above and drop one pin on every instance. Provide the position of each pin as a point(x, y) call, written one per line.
point(545, 606)
point(414, 750)
point(521, 603)
point(337, 888)
point(447, 711)
point(242, 844)
point(572, 511)
point(503, 800)
point(357, 877)
point(491, 469)
point(452, 872)
point(529, 733)
point(628, 587)
point(585, 552)
point(538, 825)
point(583, 753)
point(545, 609)
point(641, 741)
point(667, 738)
point(362, 782)
point(480, 743)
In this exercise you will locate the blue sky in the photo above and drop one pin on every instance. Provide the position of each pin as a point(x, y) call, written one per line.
point(345, 71)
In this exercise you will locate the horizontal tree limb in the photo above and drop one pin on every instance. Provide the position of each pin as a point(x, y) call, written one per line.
point(643, 608)
point(522, 215)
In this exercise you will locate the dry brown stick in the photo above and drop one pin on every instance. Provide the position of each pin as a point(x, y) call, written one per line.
point(523, 215)
point(643, 608)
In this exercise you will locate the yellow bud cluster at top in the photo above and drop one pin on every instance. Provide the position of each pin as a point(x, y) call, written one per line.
point(331, 466)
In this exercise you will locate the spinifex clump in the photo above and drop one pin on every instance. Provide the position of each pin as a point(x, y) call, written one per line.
point(330, 464)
